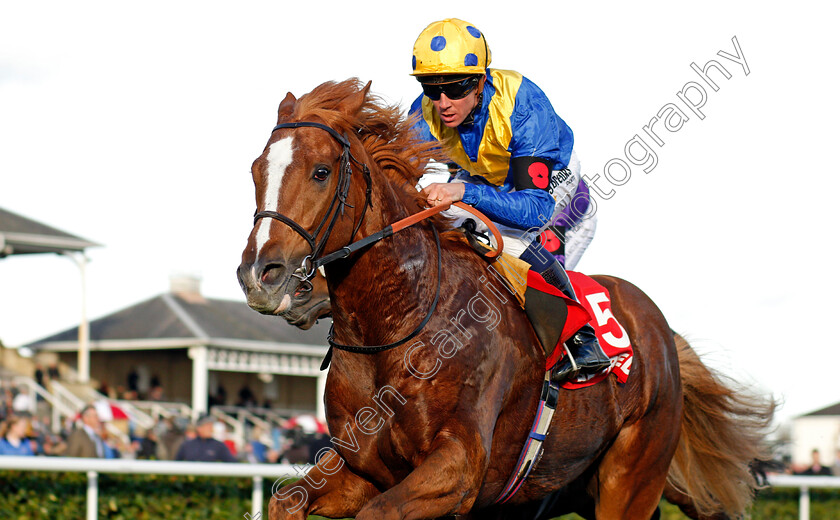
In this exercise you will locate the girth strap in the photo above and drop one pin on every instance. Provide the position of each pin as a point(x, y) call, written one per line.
point(533, 449)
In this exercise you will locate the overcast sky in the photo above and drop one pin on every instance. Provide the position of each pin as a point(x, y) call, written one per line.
point(134, 125)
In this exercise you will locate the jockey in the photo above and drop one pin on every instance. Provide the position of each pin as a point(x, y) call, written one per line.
point(517, 156)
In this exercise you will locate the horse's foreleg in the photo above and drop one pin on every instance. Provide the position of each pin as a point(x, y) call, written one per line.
point(330, 490)
point(445, 483)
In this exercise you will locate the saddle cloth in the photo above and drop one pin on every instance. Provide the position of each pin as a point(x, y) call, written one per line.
point(593, 308)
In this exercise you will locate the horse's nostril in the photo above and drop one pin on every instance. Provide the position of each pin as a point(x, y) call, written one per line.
point(273, 274)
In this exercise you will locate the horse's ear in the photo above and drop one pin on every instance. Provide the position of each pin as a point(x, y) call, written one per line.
point(354, 103)
point(286, 107)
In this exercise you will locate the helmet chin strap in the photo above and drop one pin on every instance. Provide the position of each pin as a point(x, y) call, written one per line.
point(471, 116)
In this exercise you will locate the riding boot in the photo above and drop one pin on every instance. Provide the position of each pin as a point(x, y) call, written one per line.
point(587, 356)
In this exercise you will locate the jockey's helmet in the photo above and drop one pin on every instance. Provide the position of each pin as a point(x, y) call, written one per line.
point(450, 46)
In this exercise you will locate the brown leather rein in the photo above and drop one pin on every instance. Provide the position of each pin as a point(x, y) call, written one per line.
point(426, 213)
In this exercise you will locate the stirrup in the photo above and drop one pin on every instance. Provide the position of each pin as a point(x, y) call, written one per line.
point(567, 375)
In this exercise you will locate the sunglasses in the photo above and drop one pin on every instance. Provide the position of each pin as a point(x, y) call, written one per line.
point(454, 90)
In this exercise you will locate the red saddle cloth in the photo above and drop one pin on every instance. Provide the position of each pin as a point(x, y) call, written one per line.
point(594, 308)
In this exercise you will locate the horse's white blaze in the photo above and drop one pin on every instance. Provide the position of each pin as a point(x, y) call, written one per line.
point(279, 158)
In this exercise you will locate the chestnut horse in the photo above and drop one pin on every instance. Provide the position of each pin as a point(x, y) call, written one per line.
point(434, 426)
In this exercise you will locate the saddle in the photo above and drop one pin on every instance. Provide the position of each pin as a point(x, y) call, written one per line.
point(547, 310)
point(554, 317)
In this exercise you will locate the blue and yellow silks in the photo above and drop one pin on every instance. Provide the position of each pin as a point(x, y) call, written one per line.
point(515, 119)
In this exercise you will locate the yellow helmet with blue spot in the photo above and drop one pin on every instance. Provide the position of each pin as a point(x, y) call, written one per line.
point(450, 46)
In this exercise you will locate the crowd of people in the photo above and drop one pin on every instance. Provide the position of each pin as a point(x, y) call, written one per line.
point(26, 432)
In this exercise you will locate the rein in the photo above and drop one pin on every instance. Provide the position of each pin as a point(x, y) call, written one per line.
point(312, 261)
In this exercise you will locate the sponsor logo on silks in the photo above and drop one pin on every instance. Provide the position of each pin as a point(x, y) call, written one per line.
point(559, 177)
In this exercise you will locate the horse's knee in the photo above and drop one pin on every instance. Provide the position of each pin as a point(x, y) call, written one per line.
point(277, 511)
point(383, 511)
point(288, 503)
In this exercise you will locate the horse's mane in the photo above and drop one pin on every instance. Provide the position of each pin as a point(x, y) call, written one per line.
point(385, 133)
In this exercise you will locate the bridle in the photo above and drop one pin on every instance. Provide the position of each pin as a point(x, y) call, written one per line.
point(313, 261)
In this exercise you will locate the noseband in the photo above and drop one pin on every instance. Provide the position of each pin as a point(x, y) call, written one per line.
point(312, 262)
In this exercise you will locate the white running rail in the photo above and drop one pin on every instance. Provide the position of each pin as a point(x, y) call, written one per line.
point(804, 483)
point(257, 472)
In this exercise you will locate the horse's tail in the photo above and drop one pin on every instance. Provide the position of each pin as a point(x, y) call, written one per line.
point(722, 435)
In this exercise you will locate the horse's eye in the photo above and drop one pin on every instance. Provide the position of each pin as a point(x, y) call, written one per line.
point(321, 173)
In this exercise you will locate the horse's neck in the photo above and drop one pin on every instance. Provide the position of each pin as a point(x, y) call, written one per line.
point(382, 290)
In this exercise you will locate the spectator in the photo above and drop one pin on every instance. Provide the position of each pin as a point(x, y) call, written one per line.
point(86, 441)
point(156, 393)
point(204, 448)
point(317, 444)
point(13, 433)
point(220, 432)
point(256, 450)
point(40, 375)
point(219, 398)
point(146, 445)
point(816, 467)
point(836, 468)
point(171, 438)
point(111, 446)
point(52, 372)
point(48, 443)
point(246, 397)
point(22, 403)
point(296, 452)
point(132, 380)
point(6, 402)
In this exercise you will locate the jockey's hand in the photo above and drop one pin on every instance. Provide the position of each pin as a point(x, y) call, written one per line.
point(445, 193)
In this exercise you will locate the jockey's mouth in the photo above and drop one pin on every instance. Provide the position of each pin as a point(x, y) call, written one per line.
point(448, 117)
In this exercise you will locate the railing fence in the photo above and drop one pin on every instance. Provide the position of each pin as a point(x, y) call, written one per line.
point(93, 467)
point(257, 472)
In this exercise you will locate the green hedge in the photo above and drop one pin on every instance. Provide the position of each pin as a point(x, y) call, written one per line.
point(61, 496)
point(26, 495)
point(776, 504)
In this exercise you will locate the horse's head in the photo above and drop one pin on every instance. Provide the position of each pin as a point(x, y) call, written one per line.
point(309, 199)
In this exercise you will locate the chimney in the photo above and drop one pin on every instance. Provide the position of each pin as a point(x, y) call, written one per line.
point(187, 287)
